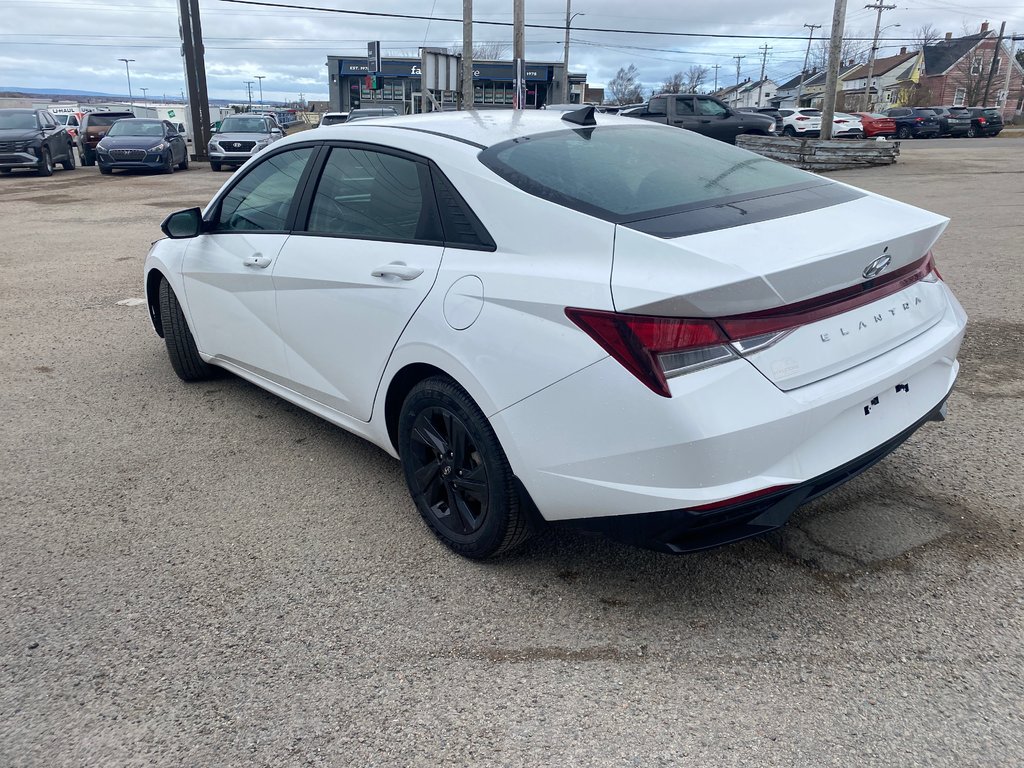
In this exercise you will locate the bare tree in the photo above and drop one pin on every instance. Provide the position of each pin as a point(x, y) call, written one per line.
point(492, 51)
point(695, 78)
point(673, 85)
point(625, 88)
point(855, 51)
point(971, 75)
point(926, 34)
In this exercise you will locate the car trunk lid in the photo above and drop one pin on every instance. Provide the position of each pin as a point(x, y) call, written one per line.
point(831, 281)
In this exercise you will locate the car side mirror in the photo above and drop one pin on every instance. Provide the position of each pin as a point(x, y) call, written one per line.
point(183, 224)
point(277, 132)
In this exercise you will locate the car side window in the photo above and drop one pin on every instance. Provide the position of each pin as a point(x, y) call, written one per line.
point(369, 194)
point(262, 199)
point(684, 105)
point(658, 106)
point(710, 108)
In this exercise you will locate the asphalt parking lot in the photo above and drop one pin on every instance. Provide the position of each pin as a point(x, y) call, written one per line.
point(206, 575)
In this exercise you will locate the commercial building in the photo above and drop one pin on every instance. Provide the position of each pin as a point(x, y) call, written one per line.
point(399, 84)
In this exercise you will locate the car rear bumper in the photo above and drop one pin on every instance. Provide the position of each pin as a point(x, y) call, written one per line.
point(679, 531)
point(598, 444)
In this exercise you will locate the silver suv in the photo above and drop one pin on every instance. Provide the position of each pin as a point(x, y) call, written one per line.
point(239, 137)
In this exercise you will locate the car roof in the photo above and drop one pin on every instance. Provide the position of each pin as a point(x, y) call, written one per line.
point(481, 128)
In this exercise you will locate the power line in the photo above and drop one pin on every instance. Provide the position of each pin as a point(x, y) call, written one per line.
point(558, 27)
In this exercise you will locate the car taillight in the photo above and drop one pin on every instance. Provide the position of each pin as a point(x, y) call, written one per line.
point(981, 120)
point(803, 118)
point(655, 349)
point(919, 120)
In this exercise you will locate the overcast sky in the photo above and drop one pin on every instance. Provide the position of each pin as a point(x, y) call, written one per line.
point(77, 43)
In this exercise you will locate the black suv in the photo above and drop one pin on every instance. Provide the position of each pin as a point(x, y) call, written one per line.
point(94, 127)
point(953, 121)
point(914, 122)
point(33, 139)
point(985, 121)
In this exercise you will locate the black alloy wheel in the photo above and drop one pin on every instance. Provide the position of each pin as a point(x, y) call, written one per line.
point(903, 132)
point(971, 132)
point(457, 472)
point(45, 166)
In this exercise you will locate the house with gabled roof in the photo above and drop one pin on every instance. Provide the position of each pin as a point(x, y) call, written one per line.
point(959, 71)
point(813, 94)
point(786, 93)
point(892, 78)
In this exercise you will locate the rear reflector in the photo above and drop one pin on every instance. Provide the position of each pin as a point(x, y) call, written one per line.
point(655, 349)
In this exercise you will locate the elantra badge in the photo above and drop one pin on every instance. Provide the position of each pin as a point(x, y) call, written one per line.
point(878, 266)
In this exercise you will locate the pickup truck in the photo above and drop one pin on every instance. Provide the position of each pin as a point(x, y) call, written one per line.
point(703, 114)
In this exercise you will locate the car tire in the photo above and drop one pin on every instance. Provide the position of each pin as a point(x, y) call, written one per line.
point(790, 131)
point(168, 166)
point(181, 346)
point(45, 165)
point(183, 165)
point(88, 159)
point(106, 170)
point(69, 162)
point(5, 170)
point(903, 132)
point(214, 166)
point(445, 440)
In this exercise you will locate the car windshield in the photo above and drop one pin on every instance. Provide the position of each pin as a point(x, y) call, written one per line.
point(136, 128)
point(25, 121)
point(244, 125)
point(622, 173)
point(332, 119)
point(924, 112)
point(811, 112)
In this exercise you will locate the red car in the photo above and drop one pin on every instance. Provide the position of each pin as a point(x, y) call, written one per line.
point(877, 125)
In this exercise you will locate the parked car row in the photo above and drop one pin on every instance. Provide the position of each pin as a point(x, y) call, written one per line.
point(363, 113)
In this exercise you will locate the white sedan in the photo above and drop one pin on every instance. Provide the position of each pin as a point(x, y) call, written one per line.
point(552, 315)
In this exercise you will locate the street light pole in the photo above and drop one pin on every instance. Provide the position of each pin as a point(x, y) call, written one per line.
point(569, 16)
point(129, 74)
point(143, 94)
point(260, 78)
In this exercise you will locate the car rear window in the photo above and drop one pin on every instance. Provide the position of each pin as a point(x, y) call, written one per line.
point(625, 173)
point(95, 119)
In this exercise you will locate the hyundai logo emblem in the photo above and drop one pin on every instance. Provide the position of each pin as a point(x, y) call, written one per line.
point(878, 266)
point(236, 145)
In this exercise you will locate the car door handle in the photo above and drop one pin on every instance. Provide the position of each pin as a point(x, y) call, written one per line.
point(399, 270)
point(257, 260)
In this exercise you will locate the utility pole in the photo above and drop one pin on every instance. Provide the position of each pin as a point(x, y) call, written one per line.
point(879, 6)
point(468, 90)
point(519, 52)
point(835, 48)
point(716, 68)
point(764, 63)
point(193, 53)
point(735, 98)
point(803, 72)
point(248, 85)
point(260, 78)
point(995, 63)
point(569, 16)
point(1009, 69)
